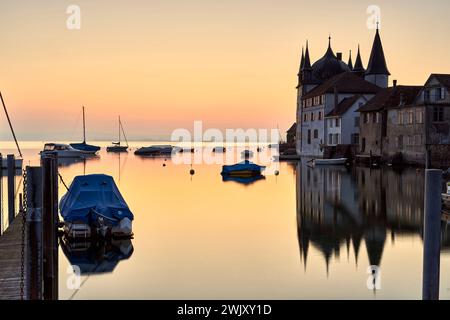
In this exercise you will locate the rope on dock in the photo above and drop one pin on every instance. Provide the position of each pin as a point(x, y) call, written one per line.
point(62, 181)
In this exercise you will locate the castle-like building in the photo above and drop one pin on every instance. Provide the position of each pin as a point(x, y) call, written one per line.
point(329, 89)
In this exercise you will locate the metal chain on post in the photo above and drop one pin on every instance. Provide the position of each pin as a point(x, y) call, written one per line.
point(23, 210)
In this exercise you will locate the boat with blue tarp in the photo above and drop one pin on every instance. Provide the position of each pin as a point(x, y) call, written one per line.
point(93, 206)
point(243, 169)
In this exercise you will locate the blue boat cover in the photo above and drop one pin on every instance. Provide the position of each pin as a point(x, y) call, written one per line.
point(83, 146)
point(242, 166)
point(93, 195)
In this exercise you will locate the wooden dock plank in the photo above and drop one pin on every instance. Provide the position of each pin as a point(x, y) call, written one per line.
point(11, 261)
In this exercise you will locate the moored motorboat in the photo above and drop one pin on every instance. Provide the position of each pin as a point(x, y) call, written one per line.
point(155, 151)
point(64, 151)
point(93, 206)
point(329, 162)
point(243, 169)
point(219, 149)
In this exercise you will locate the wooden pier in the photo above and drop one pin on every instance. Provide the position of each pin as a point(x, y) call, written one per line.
point(11, 262)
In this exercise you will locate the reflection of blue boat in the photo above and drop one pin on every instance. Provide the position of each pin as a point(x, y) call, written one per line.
point(83, 146)
point(97, 257)
point(243, 169)
point(94, 206)
point(243, 180)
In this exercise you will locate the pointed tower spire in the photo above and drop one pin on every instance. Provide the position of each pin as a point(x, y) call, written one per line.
point(307, 61)
point(350, 62)
point(377, 62)
point(358, 68)
point(302, 60)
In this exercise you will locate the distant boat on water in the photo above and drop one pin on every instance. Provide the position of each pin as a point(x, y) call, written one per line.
point(330, 162)
point(83, 146)
point(243, 169)
point(117, 147)
point(155, 151)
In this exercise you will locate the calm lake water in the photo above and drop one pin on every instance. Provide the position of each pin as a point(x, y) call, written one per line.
point(308, 233)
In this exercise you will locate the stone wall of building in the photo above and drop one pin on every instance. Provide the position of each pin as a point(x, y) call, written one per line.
point(440, 155)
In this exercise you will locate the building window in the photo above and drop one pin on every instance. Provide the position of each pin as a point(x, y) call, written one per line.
point(312, 116)
point(336, 138)
point(309, 102)
point(316, 134)
point(400, 142)
point(378, 115)
point(309, 136)
point(338, 122)
point(357, 120)
point(400, 117)
point(410, 117)
point(366, 118)
point(330, 121)
point(320, 115)
point(374, 117)
point(363, 145)
point(440, 93)
point(316, 100)
point(305, 117)
point(355, 138)
point(438, 114)
point(419, 116)
point(330, 139)
point(426, 95)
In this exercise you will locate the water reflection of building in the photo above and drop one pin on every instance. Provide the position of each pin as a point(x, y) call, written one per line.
point(337, 207)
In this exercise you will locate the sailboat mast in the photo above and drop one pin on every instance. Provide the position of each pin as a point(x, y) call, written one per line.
point(119, 130)
point(123, 131)
point(10, 125)
point(84, 127)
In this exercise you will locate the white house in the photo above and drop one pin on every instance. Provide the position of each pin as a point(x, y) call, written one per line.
point(342, 123)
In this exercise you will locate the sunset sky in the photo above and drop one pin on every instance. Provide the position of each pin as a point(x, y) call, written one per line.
point(161, 64)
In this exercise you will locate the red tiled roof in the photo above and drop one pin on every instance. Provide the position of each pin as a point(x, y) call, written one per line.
point(346, 82)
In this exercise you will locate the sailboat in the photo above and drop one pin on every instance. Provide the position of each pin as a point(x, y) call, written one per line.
point(83, 146)
point(18, 163)
point(117, 147)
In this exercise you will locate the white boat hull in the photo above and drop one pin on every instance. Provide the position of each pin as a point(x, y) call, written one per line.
point(330, 162)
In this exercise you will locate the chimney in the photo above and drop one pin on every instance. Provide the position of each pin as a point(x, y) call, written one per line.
point(336, 97)
point(395, 83)
point(339, 56)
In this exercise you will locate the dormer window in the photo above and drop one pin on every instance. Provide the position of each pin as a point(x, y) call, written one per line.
point(426, 95)
point(440, 93)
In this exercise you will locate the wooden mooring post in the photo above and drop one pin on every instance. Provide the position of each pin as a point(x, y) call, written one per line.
point(432, 235)
point(34, 262)
point(11, 167)
point(50, 221)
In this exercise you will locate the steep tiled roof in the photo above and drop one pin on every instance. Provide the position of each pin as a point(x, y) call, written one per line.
point(346, 82)
point(392, 97)
point(377, 61)
point(292, 129)
point(343, 106)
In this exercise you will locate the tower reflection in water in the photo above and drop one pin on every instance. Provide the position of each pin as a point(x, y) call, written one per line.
point(337, 206)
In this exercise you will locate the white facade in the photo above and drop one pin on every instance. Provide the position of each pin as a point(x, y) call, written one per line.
point(344, 129)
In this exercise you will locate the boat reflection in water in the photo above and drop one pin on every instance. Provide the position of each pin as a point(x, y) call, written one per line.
point(339, 207)
point(96, 256)
point(243, 180)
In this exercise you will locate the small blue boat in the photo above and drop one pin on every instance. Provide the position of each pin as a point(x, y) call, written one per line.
point(93, 206)
point(243, 169)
